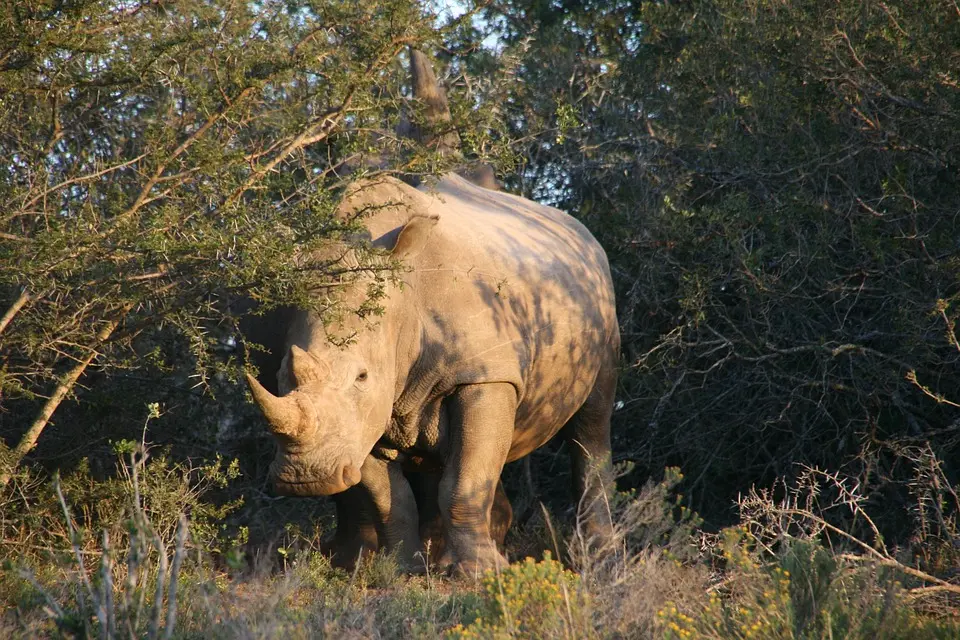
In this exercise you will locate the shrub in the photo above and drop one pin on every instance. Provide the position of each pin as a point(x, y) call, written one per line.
point(135, 597)
point(776, 186)
point(530, 599)
point(33, 525)
point(820, 595)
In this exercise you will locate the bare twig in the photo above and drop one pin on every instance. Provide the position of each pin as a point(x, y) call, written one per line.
point(74, 543)
point(553, 532)
point(157, 612)
point(951, 324)
point(320, 128)
point(940, 585)
point(84, 178)
point(143, 198)
point(52, 609)
point(174, 571)
point(871, 554)
point(10, 236)
point(940, 398)
point(106, 587)
point(312, 134)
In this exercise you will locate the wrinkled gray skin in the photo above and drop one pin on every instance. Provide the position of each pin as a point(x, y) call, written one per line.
point(503, 334)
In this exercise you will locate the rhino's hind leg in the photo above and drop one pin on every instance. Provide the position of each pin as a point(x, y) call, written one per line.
point(481, 420)
point(501, 516)
point(588, 438)
point(426, 487)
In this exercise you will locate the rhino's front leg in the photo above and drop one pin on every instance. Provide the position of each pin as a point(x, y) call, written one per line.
point(395, 509)
point(431, 520)
point(481, 421)
point(356, 534)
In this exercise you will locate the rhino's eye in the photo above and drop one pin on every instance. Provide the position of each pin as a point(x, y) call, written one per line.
point(362, 376)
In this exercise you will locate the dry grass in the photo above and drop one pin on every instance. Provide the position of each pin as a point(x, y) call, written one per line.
point(774, 576)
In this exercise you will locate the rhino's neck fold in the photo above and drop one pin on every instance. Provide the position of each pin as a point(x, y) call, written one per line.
point(408, 336)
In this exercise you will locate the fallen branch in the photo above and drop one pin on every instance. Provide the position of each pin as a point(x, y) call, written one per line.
point(940, 585)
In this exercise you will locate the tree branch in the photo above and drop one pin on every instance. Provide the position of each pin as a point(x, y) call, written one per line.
point(29, 439)
point(14, 309)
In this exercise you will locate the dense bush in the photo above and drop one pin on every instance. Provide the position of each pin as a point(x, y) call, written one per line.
point(778, 184)
point(770, 577)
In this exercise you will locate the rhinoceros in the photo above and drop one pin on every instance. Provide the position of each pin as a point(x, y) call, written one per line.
point(501, 333)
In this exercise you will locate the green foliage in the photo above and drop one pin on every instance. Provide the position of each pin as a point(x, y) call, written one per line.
point(380, 571)
point(171, 166)
point(741, 586)
point(33, 526)
point(132, 588)
point(160, 150)
point(658, 516)
point(169, 161)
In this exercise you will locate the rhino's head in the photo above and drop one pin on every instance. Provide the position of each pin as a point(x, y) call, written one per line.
point(338, 408)
point(336, 403)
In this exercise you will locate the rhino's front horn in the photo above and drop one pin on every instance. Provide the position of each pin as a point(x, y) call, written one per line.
point(283, 414)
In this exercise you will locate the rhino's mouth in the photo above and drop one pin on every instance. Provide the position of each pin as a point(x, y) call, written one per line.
point(308, 474)
point(307, 488)
point(291, 481)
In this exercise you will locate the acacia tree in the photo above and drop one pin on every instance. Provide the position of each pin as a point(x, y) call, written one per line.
point(166, 157)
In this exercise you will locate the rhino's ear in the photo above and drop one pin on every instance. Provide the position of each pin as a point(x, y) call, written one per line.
point(303, 368)
point(414, 235)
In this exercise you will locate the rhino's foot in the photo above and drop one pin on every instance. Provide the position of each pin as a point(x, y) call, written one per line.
point(474, 566)
point(344, 555)
point(598, 529)
point(417, 565)
point(414, 562)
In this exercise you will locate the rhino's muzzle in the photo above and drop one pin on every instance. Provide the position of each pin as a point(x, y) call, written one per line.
point(348, 476)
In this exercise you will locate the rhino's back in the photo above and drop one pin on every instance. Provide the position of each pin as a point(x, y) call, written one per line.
point(516, 291)
point(529, 241)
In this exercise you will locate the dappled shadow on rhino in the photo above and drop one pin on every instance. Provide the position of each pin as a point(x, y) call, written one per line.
point(501, 334)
